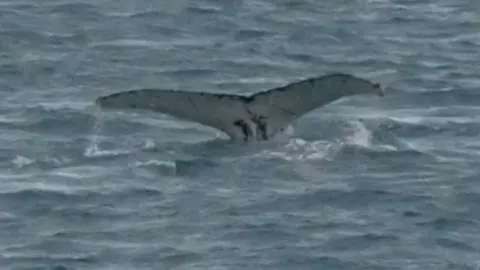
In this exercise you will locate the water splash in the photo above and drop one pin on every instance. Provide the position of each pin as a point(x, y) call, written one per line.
point(299, 149)
point(92, 148)
point(360, 136)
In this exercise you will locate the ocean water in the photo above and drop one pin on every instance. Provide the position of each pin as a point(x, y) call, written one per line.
point(364, 183)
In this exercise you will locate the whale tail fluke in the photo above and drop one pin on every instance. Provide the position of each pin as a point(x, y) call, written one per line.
point(259, 116)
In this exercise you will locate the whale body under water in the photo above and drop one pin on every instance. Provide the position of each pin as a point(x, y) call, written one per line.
point(256, 117)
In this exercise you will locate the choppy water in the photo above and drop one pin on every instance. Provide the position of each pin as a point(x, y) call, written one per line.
point(366, 183)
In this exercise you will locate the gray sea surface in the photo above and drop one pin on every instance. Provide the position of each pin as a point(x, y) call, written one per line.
point(364, 183)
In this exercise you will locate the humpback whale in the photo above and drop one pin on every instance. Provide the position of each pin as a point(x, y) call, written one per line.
point(256, 117)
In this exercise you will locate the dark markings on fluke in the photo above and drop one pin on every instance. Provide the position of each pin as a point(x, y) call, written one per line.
point(256, 117)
